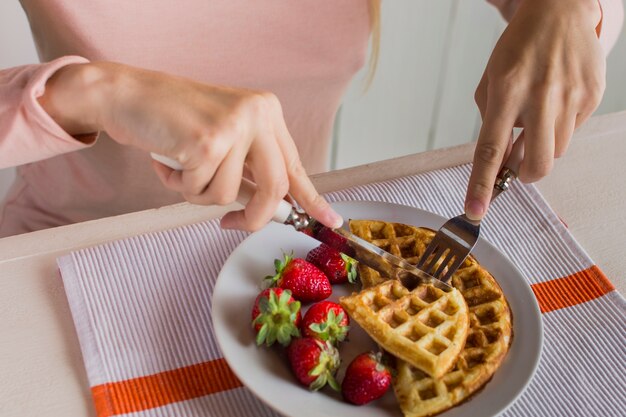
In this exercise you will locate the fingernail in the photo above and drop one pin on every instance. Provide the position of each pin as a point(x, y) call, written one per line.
point(474, 210)
point(334, 219)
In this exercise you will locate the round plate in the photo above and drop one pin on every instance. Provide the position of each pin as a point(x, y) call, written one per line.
point(266, 372)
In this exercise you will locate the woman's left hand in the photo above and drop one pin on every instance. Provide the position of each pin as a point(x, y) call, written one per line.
point(546, 74)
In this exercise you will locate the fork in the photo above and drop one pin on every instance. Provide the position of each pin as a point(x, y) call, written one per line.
point(456, 238)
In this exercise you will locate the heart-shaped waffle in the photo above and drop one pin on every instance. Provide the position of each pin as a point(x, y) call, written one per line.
point(426, 326)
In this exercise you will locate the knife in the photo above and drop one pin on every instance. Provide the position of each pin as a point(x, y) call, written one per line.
point(340, 239)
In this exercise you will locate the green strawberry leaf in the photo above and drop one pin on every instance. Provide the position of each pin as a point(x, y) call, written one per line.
point(333, 383)
point(328, 363)
point(320, 330)
point(350, 268)
point(332, 329)
point(277, 317)
point(262, 334)
point(279, 266)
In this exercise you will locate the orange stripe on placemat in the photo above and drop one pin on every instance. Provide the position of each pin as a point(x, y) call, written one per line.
point(571, 290)
point(164, 388)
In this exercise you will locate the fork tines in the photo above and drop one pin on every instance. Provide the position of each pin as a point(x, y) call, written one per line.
point(449, 248)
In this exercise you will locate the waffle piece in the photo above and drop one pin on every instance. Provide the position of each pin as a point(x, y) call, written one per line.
point(487, 343)
point(401, 240)
point(426, 326)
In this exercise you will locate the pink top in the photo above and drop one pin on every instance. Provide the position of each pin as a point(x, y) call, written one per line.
point(303, 51)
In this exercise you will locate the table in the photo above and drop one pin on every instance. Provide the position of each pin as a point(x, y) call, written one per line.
point(40, 360)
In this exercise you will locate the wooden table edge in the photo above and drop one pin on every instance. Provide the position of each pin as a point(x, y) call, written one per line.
point(80, 235)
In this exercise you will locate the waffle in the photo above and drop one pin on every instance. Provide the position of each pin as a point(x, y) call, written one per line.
point(490, 322)
point(401, 240)
point(426, 326)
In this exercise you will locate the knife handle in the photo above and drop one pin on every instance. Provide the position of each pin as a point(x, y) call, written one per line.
point(246, 190)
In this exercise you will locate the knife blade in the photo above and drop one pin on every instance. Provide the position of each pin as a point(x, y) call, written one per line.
point(341, 238)
point(368, 254)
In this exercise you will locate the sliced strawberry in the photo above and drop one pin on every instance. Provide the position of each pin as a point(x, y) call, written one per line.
point(366, 379)
point(334, 240)
point(326, 321)
point(305, 281)
point(314, 363)
point(337, 266)
point(276, 317)
point(308, 232)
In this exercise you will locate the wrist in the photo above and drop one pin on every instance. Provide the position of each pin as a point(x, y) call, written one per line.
point(76, 95)
point(589, 12)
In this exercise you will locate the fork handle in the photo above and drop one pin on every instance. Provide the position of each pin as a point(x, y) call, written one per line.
point(509, 171)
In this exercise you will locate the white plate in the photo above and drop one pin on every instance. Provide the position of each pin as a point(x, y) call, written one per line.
point(266, 373)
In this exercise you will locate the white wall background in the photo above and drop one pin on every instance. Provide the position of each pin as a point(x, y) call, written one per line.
point(432, 55)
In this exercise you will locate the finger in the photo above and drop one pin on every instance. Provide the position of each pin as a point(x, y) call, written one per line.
point(582, 117)
point(480, 95)
point(565, 125)
point(493, 142)
point(539, 133)
point(169, 177)
point(509, 147)
point(270, 175)
point(225, 183)
point(247, 173)
point(590, 99)
point(208, 158)
point(300, 186)
point(189, 181)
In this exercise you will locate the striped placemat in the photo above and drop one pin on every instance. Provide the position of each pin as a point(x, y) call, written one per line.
point(141, 308)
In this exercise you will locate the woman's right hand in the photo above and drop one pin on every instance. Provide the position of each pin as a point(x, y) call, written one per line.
point(213, 132)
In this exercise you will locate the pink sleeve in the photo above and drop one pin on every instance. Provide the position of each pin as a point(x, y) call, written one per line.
point(608, 29)
point(27, 132)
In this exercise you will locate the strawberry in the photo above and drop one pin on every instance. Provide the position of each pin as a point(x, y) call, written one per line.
point(326, 321)
point(366, 379)
point(305, 281)
point(334, 240)
point(314, 362)
point(307, 231)
point(276, 317)
point(337, 266)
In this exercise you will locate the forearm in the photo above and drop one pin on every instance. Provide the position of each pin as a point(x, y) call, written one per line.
point(75, 95)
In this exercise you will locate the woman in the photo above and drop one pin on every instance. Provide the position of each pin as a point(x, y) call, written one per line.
point(224, 86)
